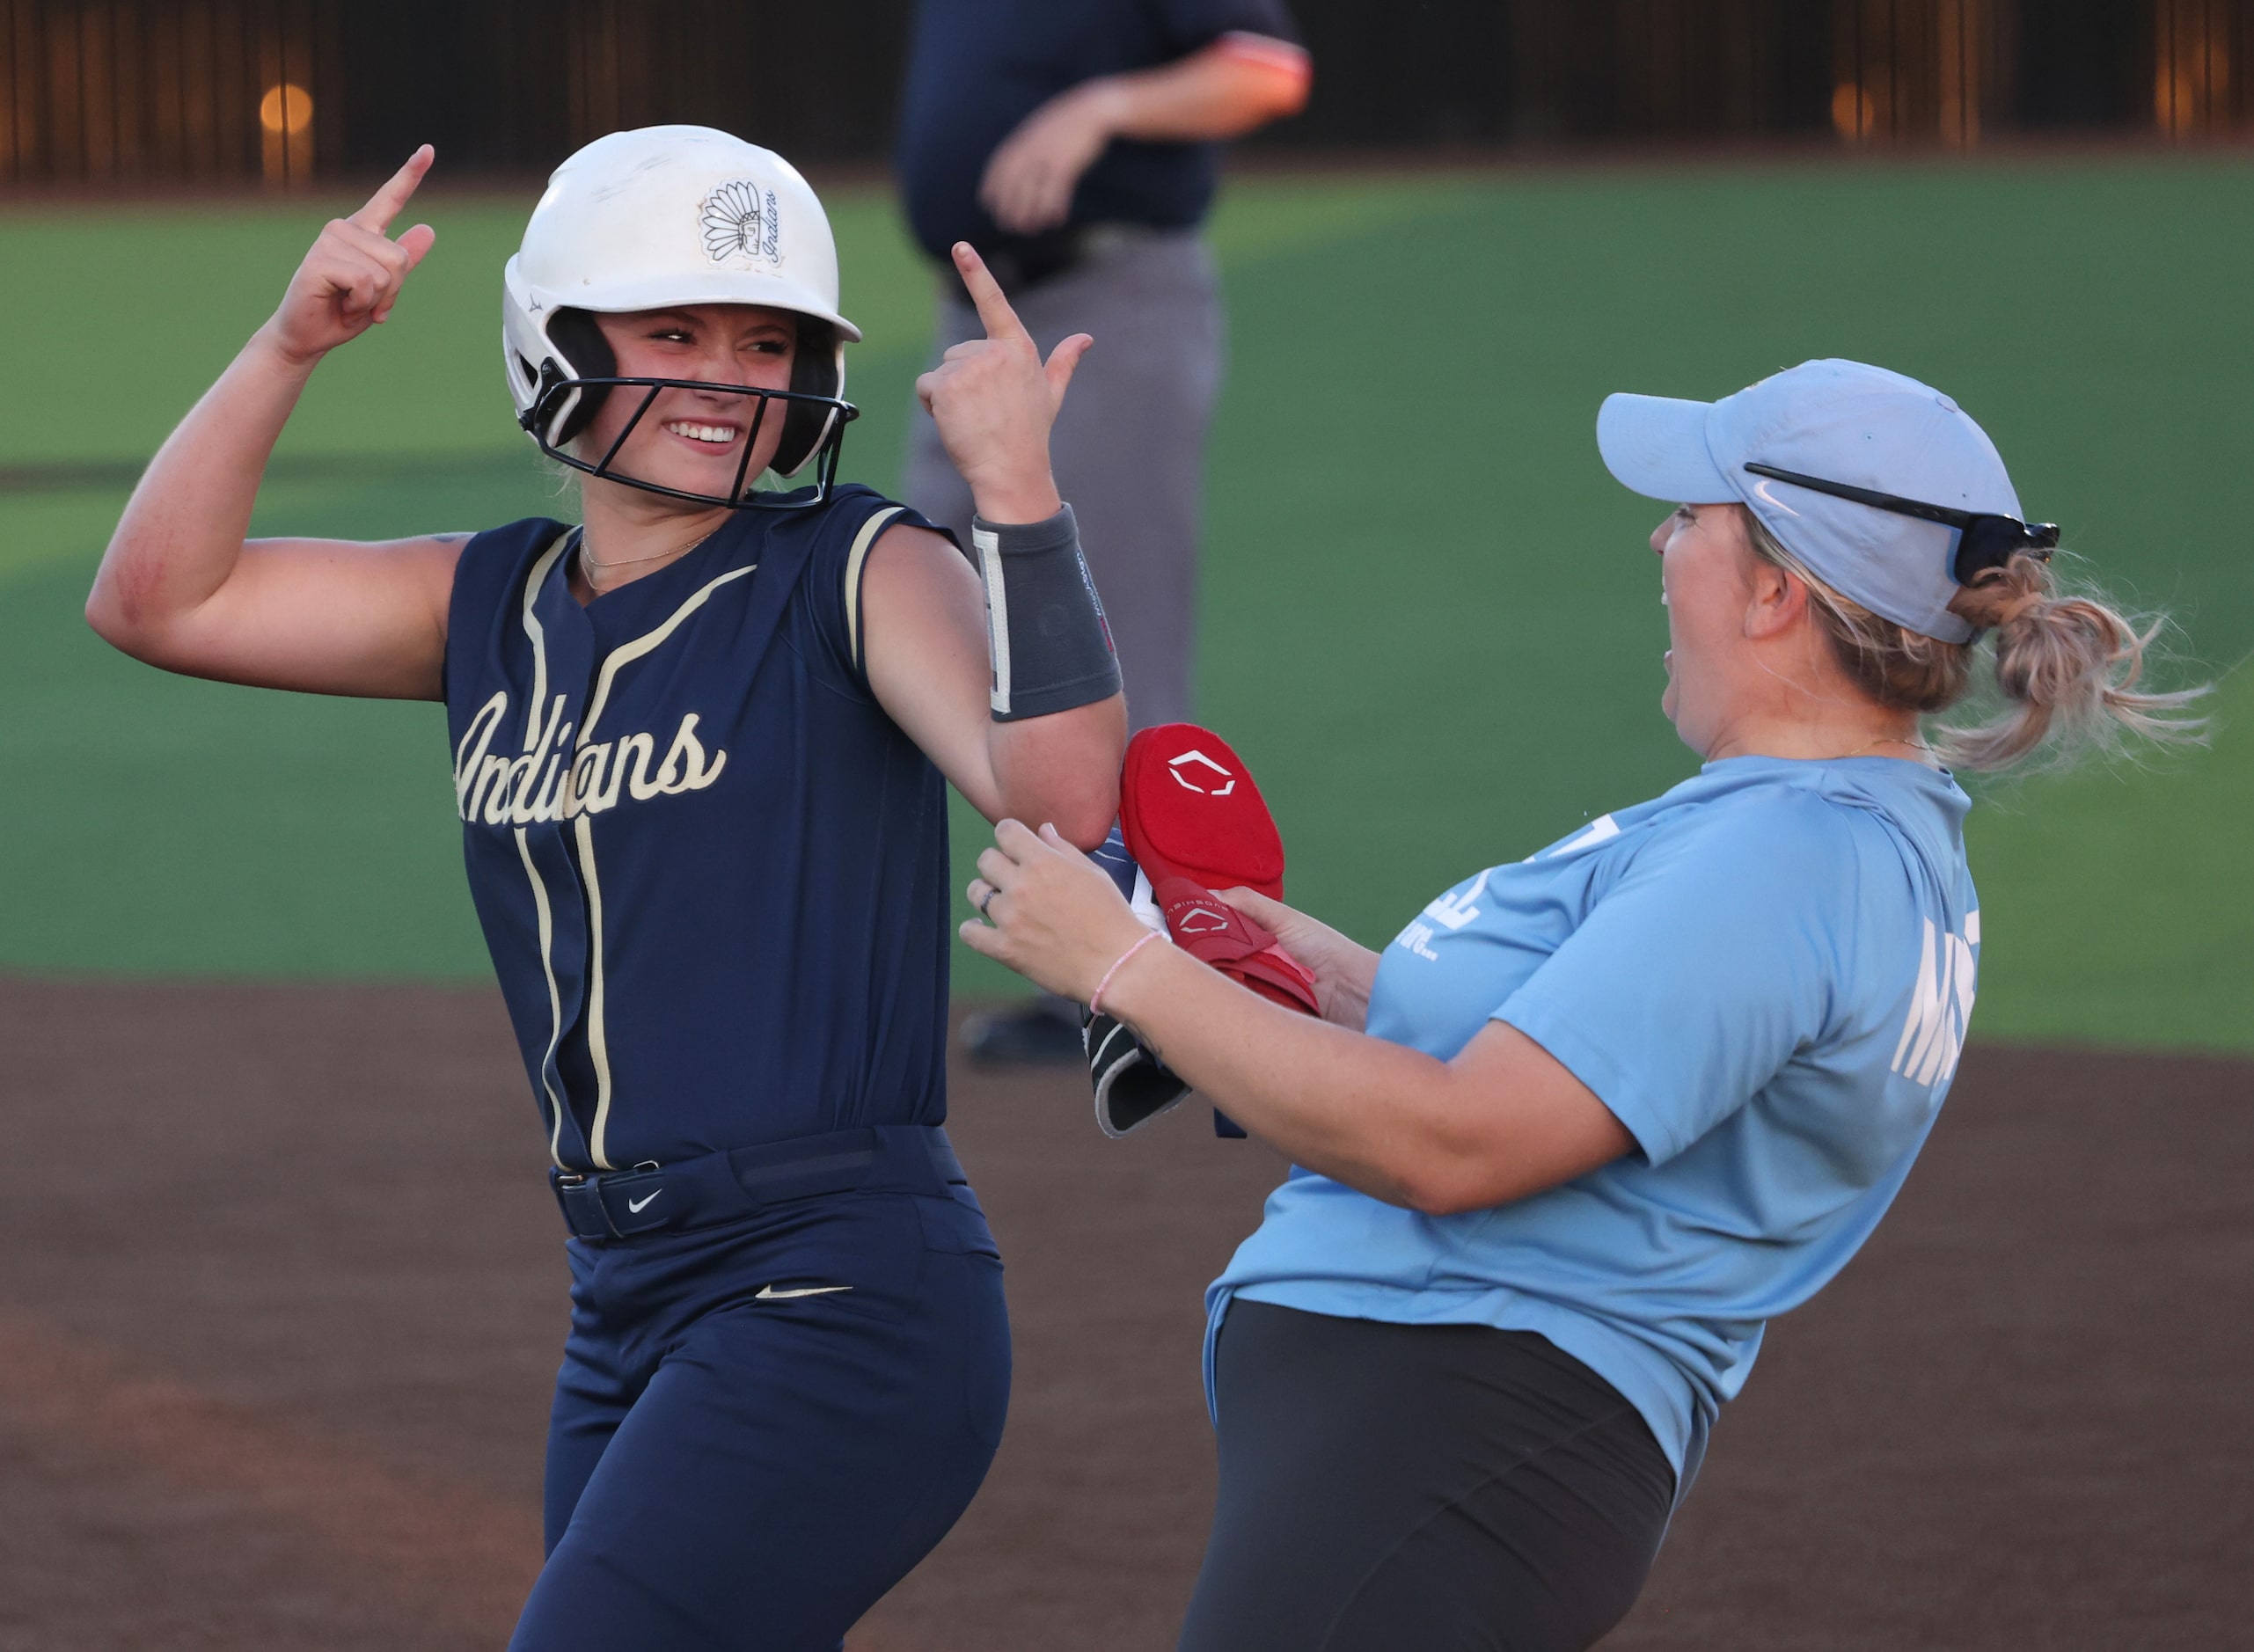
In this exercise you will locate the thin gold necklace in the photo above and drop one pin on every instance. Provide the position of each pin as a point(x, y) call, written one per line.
point(588, 563)
point(1883, 740)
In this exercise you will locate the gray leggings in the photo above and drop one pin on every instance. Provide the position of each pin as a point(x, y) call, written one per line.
point(1129, 449)
point(1420, 1488)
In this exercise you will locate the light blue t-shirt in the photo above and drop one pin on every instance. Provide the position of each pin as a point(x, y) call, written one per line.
point(1766, 974)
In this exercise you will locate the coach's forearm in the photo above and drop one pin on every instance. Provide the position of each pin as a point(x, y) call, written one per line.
point(1062, 769)
point(1378, 1116)
point(1502, 1121)
point(183, 529)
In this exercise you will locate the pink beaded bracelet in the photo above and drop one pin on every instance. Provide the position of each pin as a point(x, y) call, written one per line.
point(1095, 999)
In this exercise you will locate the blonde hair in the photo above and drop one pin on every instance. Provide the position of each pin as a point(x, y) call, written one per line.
point(2067, 664)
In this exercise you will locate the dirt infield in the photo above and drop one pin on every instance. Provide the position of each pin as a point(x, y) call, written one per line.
point(284, 1295)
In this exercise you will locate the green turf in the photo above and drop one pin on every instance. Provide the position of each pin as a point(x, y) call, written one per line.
point(1428, 622)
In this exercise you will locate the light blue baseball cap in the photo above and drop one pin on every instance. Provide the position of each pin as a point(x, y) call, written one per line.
point(1841, 421)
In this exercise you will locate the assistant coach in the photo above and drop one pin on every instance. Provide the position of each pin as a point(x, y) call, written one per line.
point(1076, 147)
point(1596, 1116)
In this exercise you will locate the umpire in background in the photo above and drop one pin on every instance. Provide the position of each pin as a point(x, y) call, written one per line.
point(1076, 144)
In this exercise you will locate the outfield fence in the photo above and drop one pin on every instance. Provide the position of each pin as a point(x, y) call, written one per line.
point(136, 94)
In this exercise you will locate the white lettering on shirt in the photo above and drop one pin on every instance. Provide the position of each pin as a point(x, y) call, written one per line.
point(1453, 911)
point(1417, 938)
point(1602, 830)
point(1941, 1005)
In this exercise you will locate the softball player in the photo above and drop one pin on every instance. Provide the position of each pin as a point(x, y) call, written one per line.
point(698, 745)
point(1592, 1118)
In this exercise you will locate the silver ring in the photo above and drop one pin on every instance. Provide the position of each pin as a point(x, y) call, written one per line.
point(988, 902)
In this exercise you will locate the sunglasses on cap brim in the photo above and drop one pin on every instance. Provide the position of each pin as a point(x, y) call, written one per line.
point(1984, 539)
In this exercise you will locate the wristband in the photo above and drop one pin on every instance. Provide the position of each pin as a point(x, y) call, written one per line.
point(1045, 630)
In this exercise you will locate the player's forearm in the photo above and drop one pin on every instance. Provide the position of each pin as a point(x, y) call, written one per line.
point(1231, 87)
point(1062, 769)
point(182, 531)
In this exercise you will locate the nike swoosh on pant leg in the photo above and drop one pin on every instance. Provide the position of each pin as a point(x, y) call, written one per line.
point(768, 1293)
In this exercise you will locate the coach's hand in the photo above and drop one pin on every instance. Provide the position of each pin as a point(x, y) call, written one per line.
point(1050, 912)
point(352, 277)
point(994, 399)
point(1343, 968)
point(1030, 178)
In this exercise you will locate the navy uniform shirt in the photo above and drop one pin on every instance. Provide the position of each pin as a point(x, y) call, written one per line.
point(978, 67)
point(710, 870)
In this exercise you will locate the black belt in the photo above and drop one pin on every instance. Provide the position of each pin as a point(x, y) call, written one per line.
point(717, 1188)
point(1024, 262)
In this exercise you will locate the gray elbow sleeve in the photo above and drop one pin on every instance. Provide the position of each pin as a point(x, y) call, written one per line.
point(1045, 630)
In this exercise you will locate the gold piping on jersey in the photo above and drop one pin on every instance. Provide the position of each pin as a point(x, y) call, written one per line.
point(599, 1048)
point(533, 736)
point(627, 653)
point(532, 629)
point(555, 998)
point(862, 542)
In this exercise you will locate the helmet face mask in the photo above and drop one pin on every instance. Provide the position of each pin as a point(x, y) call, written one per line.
point(676, 218)
point(561, 403)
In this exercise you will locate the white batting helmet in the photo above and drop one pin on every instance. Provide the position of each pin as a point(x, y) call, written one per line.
point(660, 216)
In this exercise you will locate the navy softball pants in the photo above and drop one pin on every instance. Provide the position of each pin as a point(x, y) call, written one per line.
point(761, 1426)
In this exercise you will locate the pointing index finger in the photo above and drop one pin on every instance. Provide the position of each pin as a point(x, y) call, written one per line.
point(384, 204)
point(985, 292)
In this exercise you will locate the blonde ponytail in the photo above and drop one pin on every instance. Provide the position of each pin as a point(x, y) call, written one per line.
point(2066, 665)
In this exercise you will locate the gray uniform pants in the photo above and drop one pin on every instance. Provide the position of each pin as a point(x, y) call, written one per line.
point(1129, 448)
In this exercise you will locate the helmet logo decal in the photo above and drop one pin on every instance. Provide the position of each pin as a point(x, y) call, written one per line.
point(741, 219)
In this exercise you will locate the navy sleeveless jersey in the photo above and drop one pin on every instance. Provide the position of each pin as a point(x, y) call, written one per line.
point(710, 870)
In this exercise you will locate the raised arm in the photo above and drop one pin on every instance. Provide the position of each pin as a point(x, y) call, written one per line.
point(179, 586)
point(1237, 84)
point(928, 645)
point(927, 662)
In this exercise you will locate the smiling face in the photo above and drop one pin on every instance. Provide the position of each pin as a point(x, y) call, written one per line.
point(694, 439)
